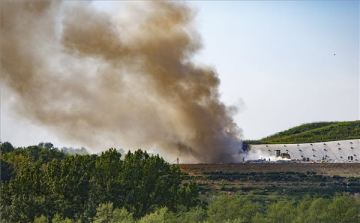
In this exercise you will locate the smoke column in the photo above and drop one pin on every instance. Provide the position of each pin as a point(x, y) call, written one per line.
point(106, 79)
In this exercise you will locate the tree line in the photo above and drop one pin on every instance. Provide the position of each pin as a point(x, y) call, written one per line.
point(43, 181)
point(342, 208)
point(41, 184)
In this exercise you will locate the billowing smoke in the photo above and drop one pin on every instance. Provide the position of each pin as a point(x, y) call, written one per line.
point(125, 79)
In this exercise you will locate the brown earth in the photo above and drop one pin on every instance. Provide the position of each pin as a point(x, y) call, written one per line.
point(330, 169)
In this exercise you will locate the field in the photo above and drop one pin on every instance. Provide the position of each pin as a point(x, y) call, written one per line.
point(328, 169)
point(275, 181)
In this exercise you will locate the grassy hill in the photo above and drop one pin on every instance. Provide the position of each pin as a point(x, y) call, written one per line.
point(314, 132)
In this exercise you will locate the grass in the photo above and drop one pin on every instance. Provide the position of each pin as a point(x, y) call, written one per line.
point(314, 132)
point(274, 186)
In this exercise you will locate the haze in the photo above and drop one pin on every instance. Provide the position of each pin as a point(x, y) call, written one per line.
point(282, 63)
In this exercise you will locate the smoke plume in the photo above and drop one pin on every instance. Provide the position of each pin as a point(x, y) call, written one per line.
point(125, 79)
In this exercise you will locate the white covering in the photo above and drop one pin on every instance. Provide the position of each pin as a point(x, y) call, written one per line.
point(335, 151)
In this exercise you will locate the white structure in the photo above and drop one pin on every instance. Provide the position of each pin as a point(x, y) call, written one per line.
point(335, 151)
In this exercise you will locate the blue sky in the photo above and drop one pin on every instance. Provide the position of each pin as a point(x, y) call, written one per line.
point(277, 57)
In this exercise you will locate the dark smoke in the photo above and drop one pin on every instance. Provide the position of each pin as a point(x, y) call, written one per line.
point(125, 79)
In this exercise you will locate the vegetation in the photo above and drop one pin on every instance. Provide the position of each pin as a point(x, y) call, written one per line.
point(234, 209)
point(43, 181)
point(314, 132)
point(274, 186)
point(42, 184)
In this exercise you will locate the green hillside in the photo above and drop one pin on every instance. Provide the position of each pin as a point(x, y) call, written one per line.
point(314, 132)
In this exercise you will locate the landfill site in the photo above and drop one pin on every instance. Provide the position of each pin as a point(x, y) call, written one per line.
point(344, 151)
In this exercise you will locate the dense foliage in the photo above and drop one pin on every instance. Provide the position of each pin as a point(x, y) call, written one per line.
point(43, 181)
point(314, 132)
point(235, 209)
point(42, 184)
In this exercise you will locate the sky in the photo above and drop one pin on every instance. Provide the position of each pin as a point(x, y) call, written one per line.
point(284, 63)
point(278, 57)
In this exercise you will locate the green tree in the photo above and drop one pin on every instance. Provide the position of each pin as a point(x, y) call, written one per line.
point(6, 147)
point(47, 182)
point(303, 209)
point(151, 183)
point(106, 214)
point(107, 180)
point(24, 197)
point(69, 183)
point(7, 171)
point(58, 219)
point(259, 218)
point(317, 211)
point(232, 207)
point(41, 219)
point(281, 212)
point(343, 209)
point(122, 216)
point(155, 217)
point(194, 215)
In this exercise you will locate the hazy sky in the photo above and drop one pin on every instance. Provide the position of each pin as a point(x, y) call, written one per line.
point(275, 59)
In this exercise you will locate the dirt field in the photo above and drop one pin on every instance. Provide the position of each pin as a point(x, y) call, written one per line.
point(330, 169)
